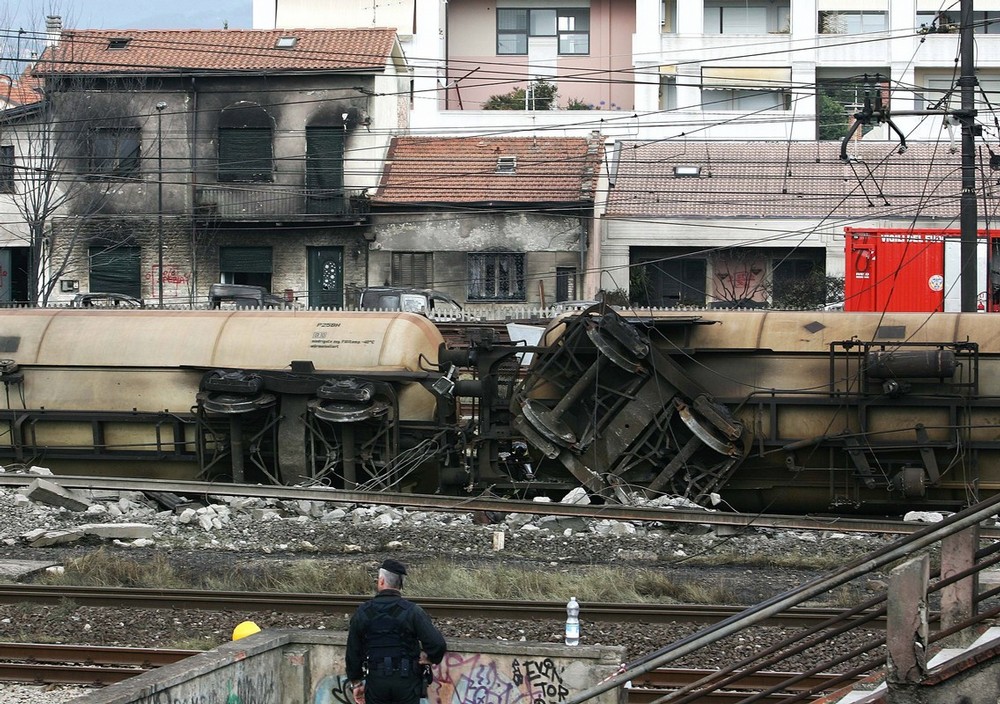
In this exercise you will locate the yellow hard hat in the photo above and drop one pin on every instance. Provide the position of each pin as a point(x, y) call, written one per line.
point(247, 628)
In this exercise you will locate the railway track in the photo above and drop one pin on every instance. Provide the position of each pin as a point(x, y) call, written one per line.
point(103, 665)
point(437, 607)
point(435, 502)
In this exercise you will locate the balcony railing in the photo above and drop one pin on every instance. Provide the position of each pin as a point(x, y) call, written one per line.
point(263, 202)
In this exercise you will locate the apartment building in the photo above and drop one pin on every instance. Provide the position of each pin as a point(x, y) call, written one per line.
point(656, 69)
point(685, 72)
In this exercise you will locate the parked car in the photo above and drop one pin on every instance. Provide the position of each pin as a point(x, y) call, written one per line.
point(106, 300)
point(410, 300)
point(244, 296)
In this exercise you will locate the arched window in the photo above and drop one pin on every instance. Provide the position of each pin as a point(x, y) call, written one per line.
point(245, 147)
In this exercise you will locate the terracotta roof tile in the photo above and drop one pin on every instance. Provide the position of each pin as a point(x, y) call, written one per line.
point(785, 180)
point(183, 51)
point(465, 170)
point(24, 91)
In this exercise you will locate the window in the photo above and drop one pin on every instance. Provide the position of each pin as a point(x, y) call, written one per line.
point(325, 169)
point(798, 283)
point(672, 282)
point(114, 151)
point(115, 269)
point(245, 151)
point(745, 88)
point(496, 276)
point(574, 31)
point(838, 99)
point(506, 165)
point(942, 92)
point(515, 26)
point(565, 283)
point(668, 16)
point(850, 22)
point(668, 92)
point(744, 99)
point(7, 168)
point(412, 269)
point(948, 22)
point(735, 20)
point(246, 265)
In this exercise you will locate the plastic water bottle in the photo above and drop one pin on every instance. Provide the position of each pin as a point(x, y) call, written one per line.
point(572, 622)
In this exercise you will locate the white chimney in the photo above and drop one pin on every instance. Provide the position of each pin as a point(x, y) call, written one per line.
point(53, 29)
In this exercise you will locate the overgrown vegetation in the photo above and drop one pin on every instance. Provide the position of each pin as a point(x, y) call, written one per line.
point(439, 578)
point(539, 95)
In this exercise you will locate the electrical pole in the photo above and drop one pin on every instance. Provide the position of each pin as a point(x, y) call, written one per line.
point(968, 217)
point(160, 106)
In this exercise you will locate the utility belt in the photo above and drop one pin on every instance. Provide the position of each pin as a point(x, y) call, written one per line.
point(405, 667)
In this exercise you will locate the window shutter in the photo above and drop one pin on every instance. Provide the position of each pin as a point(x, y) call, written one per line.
point(245, 154)
point(245, 260)
point(116, 270)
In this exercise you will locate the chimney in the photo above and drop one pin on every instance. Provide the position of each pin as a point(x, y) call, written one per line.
point(53, 28)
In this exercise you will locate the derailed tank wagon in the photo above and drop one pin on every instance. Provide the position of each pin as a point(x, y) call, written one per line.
point(775, 410)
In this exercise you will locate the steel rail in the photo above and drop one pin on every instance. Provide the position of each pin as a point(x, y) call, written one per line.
point(346, 604)
point(669, 677)
point(92, 654)
point(66, 674)
point(433, 502)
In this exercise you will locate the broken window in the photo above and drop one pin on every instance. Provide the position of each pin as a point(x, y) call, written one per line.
point(496, 276)
point(114, 151)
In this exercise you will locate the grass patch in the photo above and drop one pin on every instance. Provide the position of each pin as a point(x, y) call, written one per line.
point(788, 560)
point(103, 568)
point(439, 579)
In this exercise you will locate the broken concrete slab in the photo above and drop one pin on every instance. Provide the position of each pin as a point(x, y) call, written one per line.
point(119, 531)
point(46, 492)
point(16, 569)
point(55, 537)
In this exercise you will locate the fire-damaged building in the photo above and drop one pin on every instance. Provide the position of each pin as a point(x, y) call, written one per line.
point(193, 157)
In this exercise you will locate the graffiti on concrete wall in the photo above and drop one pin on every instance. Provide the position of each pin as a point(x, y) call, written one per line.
point(473, 678)
point(254, 686)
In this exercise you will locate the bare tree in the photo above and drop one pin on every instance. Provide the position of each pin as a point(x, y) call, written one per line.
point(75, 144)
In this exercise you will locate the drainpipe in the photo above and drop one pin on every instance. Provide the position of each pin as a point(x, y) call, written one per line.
point(193, 191)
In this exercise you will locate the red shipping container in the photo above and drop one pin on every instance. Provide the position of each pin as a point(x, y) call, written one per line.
point(904, 270)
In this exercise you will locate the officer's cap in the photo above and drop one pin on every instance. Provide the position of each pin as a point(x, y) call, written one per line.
point(394, 566)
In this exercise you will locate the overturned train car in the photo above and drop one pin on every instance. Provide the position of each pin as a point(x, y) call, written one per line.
point(767, 410)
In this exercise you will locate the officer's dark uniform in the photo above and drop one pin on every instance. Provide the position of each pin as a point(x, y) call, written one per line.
point(385, 638)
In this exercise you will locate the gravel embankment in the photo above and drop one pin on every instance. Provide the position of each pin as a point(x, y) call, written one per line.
point(233, 534)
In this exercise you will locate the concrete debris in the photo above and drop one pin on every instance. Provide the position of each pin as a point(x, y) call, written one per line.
point(46, 492)
point(925, 516)
point(578, 495)
point(275, 526)
point(41, 537)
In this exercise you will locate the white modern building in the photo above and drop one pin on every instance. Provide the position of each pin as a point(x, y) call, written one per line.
point(659, 69)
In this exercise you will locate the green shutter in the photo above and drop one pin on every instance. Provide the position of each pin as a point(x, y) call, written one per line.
point(245, 154)
point(116, 270)
point(245, 260)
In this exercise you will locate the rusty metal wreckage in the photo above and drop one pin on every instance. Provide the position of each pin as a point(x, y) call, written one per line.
point(783, 411)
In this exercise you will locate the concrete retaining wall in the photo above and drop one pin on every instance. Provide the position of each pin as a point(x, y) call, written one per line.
point(307, 667)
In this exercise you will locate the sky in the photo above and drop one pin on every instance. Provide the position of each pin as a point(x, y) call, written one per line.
point(127, 14)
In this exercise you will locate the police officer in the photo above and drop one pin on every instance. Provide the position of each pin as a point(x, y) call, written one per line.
point(389, 642)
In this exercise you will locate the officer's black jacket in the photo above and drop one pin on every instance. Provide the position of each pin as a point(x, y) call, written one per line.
point(413, 631)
